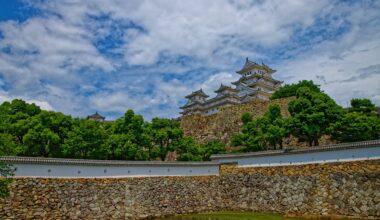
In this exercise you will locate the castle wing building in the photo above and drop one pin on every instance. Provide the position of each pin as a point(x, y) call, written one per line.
point(255, 83)
point(96, 117)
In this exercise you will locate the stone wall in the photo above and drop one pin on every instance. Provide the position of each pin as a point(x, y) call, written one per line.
point(315, 190)
point(328, 190)
point(227, 122)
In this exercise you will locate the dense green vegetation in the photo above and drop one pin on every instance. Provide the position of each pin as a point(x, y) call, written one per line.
point(26, 130)
point(312, 115)
point(5, 172)
point(230, 216)
point(262, 133)
point(358, 123)
point(291, 89)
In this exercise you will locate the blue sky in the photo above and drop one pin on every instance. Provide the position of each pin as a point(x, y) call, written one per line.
point(79, 57)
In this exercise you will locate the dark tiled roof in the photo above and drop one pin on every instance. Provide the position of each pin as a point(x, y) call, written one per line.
point(372, 143)
point(251, 64)
point(64, 161)
point(198, 92)
point(96, 115)
point(223, 87)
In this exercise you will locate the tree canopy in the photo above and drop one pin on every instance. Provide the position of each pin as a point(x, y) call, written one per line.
point(26, 130)
point(291, 89)
point(263, 132)
point(359, 123)
point(312, 115)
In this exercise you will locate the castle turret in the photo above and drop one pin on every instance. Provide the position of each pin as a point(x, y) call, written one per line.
point(194, 103)
point(256, 81)
point(226, 90)
point(96, 117)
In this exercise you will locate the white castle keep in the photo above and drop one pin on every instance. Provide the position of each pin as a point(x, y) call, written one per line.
point(256, 83)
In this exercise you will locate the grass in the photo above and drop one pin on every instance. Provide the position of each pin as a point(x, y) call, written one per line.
point(230, 216)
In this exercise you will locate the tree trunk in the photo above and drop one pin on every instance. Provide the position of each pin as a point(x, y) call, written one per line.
point(316, 142)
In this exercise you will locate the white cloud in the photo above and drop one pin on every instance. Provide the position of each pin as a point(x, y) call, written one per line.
point(195, 28)
point(214, 81)
point(168, 48)
point(201, 28)
point(347, 67)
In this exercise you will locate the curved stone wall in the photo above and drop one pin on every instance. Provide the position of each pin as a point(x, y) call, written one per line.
point(77, 168)
point(320, 154)
point(314, 190)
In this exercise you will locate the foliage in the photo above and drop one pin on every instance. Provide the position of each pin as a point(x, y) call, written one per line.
point(6, 171)
point(212, 147)
point(188, 150)
point(85, 140)
point(291, 89)
point(364, 106)
point(26, 130)
point(128, 139)
point(358, 124)
point(263, 132)
point(311, 114)
point(166, 135)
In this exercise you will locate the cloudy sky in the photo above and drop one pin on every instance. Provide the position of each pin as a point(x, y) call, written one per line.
point(79, 57)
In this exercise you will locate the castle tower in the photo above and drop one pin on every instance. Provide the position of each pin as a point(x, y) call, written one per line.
point(194, 103)
point(255, 83)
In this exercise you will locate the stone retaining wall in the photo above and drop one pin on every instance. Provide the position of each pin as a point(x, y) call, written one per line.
point(227, 122)
point(317, 190)
point(327, 190)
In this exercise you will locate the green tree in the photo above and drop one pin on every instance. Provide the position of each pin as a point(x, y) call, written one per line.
point(86, 140)
point(360, 123)
point(129, 139)
point(212, 147)
point(18, 105)
point(364, 106)
point(312, 113)
point(8, 145)
point(165, 134)
point(291, 89)
point(275, 129)
point(188, 150)
point(263, 132)
point(40, 141)
point(251, 136)
point(124, 147)
point(57, 122)
point(6, 171)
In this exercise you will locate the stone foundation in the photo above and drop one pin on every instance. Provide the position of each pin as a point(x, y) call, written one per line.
point(227, 122)
point(350, 189)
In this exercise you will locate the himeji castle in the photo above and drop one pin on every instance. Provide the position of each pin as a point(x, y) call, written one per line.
point(256, 83)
